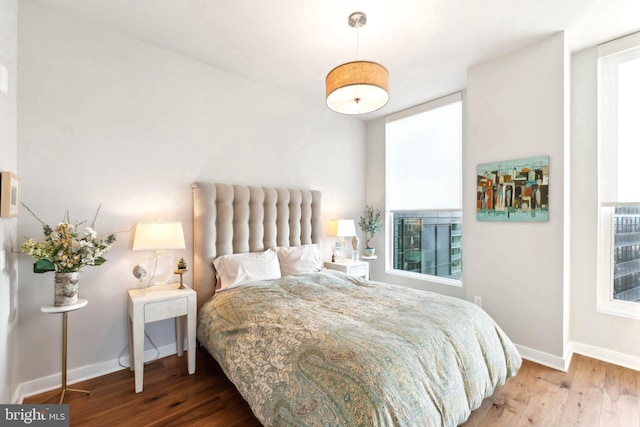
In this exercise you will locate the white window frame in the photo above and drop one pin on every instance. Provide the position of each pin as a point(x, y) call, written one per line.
point(605, 303)
point(389, 237)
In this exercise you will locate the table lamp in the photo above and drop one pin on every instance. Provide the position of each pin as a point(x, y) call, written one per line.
point(342, 228)
point(158, 237)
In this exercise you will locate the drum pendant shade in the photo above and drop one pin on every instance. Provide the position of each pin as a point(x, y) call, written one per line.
point(357, 87)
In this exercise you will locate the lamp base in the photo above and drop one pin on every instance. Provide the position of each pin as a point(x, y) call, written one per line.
point(341, 249)
point(160, 271)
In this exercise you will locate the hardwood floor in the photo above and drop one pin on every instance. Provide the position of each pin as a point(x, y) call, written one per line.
point(591, 393)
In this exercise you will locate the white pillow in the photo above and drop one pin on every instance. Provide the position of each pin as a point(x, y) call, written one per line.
point(299, 259)
point(237, 269)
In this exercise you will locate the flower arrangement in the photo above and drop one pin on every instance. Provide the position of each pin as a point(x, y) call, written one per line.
point(370, 223)
point(64, 249)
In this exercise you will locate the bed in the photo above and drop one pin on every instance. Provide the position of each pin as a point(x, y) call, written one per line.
point(306, 346)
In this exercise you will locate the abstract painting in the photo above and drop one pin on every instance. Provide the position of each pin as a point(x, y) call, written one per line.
point(513, 190)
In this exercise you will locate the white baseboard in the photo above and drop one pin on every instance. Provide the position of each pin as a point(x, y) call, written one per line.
point(545, 359)
point(562, 363)
point(606, 355)
point(52, 382)
point(17, 396)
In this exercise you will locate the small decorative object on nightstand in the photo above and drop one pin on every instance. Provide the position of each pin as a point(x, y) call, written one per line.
point(182, 268)
point(353, 268)
point(158, 303)
point(355, 243)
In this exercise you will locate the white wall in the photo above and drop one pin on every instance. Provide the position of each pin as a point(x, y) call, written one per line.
point(516, 109)
point(602, 335)
point(107, 119)
point(9, 360)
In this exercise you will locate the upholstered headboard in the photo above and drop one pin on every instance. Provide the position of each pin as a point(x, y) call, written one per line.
point(237, 219)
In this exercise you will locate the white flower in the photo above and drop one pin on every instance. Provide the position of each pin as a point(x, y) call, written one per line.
point(90, 232)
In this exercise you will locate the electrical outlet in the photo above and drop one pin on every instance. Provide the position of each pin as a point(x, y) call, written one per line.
point(477, 301)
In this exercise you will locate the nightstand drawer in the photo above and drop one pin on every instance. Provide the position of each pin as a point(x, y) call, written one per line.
point(359, 271)
point(165, 309)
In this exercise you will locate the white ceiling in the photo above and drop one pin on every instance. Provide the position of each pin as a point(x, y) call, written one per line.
point(426, 45)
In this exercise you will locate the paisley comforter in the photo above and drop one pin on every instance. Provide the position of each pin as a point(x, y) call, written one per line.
point(327, 349)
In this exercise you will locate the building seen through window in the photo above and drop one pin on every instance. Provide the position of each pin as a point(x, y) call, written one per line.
point(626, 274)
point(428, 243)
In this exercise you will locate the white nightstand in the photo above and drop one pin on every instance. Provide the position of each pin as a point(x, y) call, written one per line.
point(354, 268)
point(158, 303)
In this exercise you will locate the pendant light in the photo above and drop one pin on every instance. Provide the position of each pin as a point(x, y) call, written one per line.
point(357, 87)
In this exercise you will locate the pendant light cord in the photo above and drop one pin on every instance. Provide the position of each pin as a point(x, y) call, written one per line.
point(357, 43)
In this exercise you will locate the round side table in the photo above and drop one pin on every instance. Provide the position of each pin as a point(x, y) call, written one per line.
point(65, 309)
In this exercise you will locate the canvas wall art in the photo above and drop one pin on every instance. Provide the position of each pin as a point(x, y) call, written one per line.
point(513, 190)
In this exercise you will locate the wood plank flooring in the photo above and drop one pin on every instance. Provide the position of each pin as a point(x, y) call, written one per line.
point(591, 393)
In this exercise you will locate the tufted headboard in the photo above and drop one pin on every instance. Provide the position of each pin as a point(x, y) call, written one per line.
point(231, 219)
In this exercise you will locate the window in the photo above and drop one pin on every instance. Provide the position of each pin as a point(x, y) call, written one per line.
point(424, 190)
point(619, 192)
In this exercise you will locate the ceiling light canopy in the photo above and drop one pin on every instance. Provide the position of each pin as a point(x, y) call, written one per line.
point(357, 87)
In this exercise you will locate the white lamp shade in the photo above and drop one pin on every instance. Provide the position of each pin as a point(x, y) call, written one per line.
point(158, 236)
point(346, 228)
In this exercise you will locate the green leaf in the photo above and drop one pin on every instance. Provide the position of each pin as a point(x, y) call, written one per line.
point(100, 261)
point(43, 265)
